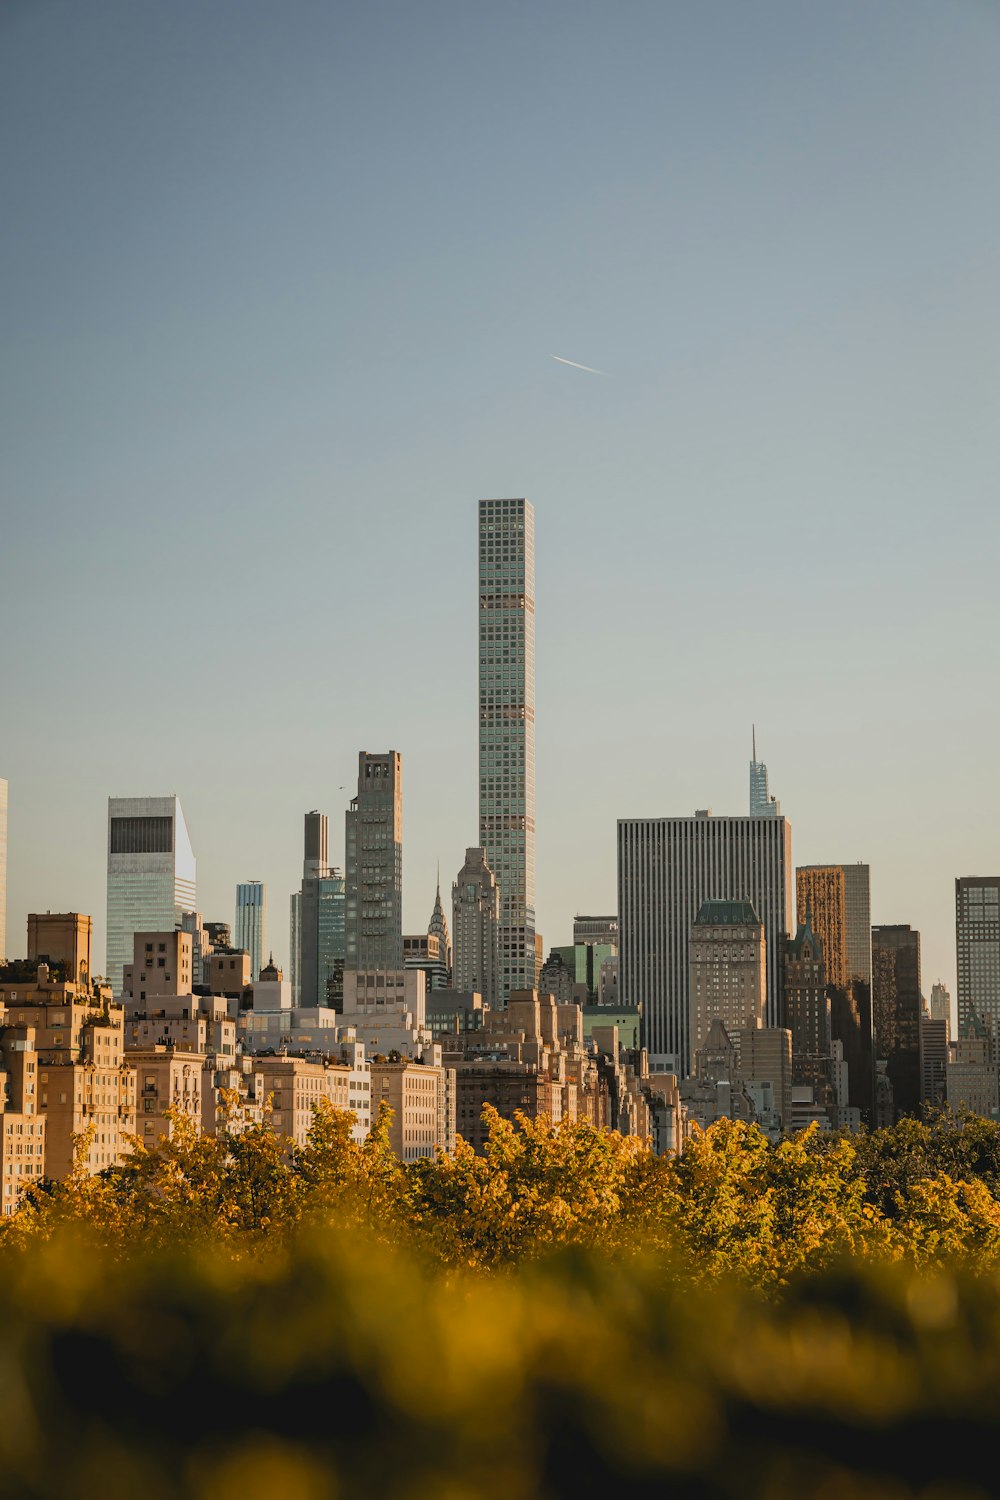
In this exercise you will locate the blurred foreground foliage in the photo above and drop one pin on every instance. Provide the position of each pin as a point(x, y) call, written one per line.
point(562, 1315)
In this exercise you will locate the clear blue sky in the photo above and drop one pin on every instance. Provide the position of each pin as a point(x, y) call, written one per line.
point(280, 286)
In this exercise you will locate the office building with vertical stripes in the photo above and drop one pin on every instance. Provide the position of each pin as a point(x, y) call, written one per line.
point(666, 868)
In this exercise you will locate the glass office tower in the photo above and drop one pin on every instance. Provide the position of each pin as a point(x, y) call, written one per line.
point(507, 727)
point(151, 874)
point(250, 926)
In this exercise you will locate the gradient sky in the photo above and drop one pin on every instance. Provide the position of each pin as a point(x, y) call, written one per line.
point(279, 289)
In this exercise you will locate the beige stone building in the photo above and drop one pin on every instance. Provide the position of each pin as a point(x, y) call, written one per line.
point(418, 1094)
point(85, 1085)
point(22, 1126)
point(728, 968)
point(528, 1057)
point(167, 1078)
point(764, 1056)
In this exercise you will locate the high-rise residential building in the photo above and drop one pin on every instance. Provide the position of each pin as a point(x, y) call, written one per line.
point(250, 926)
point(728, 962)
point(507, 728)
point(898, 1006)
point(820, 901)
point(3, 870)
point(599, 931)
point(762, 804)
point(319, 914)
point(438, 927)
point(294, 942)
point(666, 868)
point(374, 865)
point(475, 920)
point(151, 873)
point(977, 941)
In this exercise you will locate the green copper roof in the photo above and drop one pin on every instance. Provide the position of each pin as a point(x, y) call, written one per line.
point(727, 914)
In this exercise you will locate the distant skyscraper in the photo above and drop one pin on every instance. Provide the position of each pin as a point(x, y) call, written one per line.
point(374, 865)
point(3, 870)
point(475, 920)
point(151, 874)
point(318, 922)
point(602, 931)
point(820, 898)
point(977, 942)
point(898, 1006)
point(858, 928)
point(250, 926)
point(807, 1010)
point(762, 804)
point(438, 927)
point(837, 899)
point(507, 727)
point(940, 1005)
point(666, 868)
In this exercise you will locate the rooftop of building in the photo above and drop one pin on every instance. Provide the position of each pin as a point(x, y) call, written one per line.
point(714, 913)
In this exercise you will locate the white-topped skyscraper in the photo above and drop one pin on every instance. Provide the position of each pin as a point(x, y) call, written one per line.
point(762, 804)
point(507, 727)
point(151, 874)
point(250, 926)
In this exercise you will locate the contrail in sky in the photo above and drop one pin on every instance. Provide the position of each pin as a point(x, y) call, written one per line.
point(589, 368)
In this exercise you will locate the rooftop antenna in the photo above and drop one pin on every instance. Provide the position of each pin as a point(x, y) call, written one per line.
point(754, 732)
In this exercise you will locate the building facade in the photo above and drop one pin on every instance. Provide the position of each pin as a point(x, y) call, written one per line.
point(898, 1006)
point(820, 897)
point(600, 930)
point(151, 873)
point(374, 865)
point(507, 728)
point(728, 963)
point(250, 925)
point(475, 920)
point(319, 916)
point(977, 944)
point(666, 868)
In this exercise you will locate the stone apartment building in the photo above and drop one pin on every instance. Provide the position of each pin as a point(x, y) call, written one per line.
point(528, 1057)
point(84, 1084)
point(421, 1097)
point(22, 1126)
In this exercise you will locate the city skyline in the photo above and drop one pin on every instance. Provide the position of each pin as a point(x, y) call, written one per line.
point(775, 233)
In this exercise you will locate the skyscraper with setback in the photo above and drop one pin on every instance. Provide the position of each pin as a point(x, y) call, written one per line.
point(151, 874)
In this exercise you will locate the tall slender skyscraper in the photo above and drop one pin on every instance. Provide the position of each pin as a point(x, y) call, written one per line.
point(3, 870)
point(507, 727)
point(151, 874)
point(374, 865)
point(762, 804)
point(250, 926)
point(666, 868)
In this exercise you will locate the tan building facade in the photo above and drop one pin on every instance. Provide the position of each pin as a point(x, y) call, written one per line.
point(821, 895)
point(728, 968)
point(418, 1095)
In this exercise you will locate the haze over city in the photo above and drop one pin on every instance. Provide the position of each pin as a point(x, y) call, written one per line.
point(284, 287)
